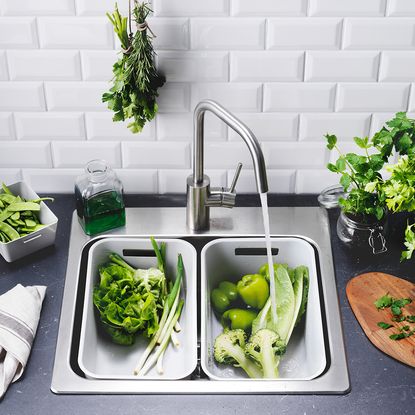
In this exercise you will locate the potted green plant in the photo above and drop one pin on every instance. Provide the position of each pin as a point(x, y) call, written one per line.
point(369, 196)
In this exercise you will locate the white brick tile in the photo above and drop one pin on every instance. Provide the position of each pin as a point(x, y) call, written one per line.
point(342, 66)
point(227, 33)
point(75, 96)
point(72, 154)
point(347, 8)
point(314, 181)
point(313, 127)
point(4, 73)
point(299, 97)
point(18, 32)
point(411, 107)
point(172, 33)
point(190, 8)
point(279, 181)
point(10, 176)
point(179, 127)
point(38, 7)
point(400, 8)
point(50, 126)
point(33, 65)
point(52, 181)
point(138, 181)
point(100, 7)
point(21, 96)
point(174, 97)
point(6, 126)
point(75, 33)
point(25, 154)
point(97, 64)
point(100, 126)
point(379, 33)
point(269, 126)
point(187, 66)
point(227, 155)
point(267, 66)
point(397, 66)
point(304, 33)
point(269, 8)
point(243, 97)
point(156, 155)
point(174, 181)
point(294, 155)
point(372, 97)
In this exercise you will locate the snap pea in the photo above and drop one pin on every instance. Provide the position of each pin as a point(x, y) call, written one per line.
point(18, 217)
point(10, 232)
point(22, 206)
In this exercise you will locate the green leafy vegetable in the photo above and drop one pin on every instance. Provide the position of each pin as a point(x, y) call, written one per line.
point(384, 302)
point(409, 242)
point(410, 319)
point(384, 326)
point(136, 80)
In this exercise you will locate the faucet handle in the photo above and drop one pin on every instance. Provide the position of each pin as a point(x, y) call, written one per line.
point(235, 178)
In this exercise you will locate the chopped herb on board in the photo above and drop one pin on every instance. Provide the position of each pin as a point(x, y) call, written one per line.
point(383, 302)
point(396, 305)
point(384, 326)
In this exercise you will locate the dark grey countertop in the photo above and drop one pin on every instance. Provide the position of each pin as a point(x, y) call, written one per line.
point(379, 384)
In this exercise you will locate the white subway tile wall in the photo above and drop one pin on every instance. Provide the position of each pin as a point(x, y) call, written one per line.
point(291, 70)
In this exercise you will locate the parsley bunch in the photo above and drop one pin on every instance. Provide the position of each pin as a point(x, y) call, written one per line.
point(368, 193)
point(357, 172)
point(136, 80)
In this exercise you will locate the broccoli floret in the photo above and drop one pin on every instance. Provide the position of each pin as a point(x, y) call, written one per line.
point(265, 347)
point(229, 349)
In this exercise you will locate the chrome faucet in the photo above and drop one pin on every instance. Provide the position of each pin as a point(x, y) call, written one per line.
point(200, 197)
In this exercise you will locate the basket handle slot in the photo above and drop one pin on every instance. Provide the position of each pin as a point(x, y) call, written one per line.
point(255, 251)
point(139, 252)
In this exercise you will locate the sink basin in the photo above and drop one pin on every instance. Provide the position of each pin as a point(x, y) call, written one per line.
point(306, 223)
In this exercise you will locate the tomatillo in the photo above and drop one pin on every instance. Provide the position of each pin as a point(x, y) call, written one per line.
point(254, 290)
point(238, 318)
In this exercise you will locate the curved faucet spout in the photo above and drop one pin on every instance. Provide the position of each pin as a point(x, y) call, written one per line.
point(240, 128)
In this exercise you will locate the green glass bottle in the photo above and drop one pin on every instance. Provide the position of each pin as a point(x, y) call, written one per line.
point(99, 198)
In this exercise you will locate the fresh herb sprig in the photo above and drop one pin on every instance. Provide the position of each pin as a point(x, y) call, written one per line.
point(357, 173)
point(136, 80)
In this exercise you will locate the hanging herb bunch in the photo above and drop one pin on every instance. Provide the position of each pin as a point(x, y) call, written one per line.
point(136, 80)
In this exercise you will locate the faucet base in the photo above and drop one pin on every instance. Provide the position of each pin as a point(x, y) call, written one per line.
point(197, 210)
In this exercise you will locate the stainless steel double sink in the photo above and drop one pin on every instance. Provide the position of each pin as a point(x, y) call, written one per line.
point(310, 223)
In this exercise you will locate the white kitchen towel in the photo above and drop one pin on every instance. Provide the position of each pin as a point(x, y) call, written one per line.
point(19, 316)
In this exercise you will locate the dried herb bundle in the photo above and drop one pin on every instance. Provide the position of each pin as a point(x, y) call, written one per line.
point(136, 80)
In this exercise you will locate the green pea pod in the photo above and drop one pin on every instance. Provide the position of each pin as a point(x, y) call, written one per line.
point(21, 206)
point(238, 318)
point(9, 231)
point(254, 290)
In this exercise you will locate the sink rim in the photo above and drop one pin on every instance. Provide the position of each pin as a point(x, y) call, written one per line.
point(313, 222)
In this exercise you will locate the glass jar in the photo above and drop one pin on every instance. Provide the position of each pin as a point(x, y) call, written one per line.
point(99, 198)
point(367, 236)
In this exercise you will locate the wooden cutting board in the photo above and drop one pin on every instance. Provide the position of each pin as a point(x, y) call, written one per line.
point(362, 291)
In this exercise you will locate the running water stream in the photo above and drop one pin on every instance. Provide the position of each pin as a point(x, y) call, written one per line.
point(265, 215)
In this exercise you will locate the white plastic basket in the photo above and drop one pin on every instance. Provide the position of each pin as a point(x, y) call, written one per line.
point(305, 358)
point(99, 357)
point(13, 250)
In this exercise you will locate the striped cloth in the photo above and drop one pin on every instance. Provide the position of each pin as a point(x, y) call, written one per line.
point(19, 316)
